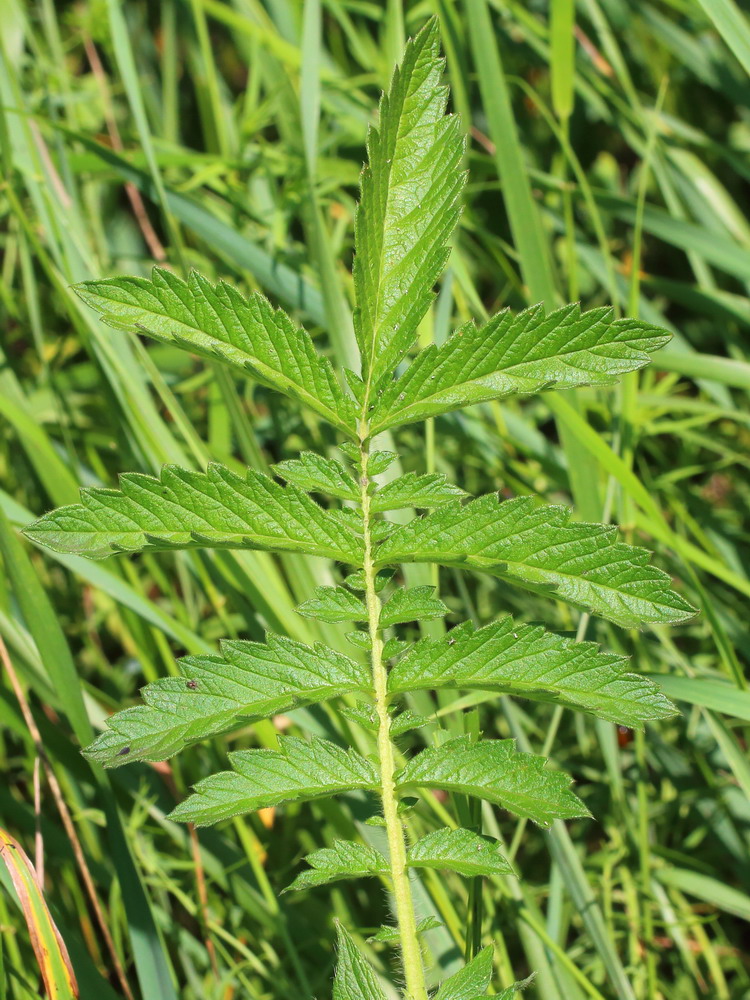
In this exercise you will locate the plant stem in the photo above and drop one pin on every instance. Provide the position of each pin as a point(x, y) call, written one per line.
point(405, 918)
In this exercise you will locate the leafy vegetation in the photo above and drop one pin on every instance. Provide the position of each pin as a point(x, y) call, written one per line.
point(602, 908)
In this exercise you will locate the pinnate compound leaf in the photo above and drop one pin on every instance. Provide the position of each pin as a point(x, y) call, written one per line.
point(411, 604)
point(408, 208)
point(185, 509)
point(528, 661)
point(471, 982)
point(344, 860)
point(249, 681)
point(320, 475)
point(494, 770)
point(411, 490)
point(354, 980)
point(460, 851)
point(515, 354)
point(216, 321)
point(334, 604)
point(541, 549)
point(297, 771)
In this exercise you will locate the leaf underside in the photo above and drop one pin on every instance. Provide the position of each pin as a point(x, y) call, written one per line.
point(298, 771)
point(494, 770)
point(514, 355)
point(185, 509)
point(530, 662)
point(539, 548)
point(219, 323)
point(249, 681)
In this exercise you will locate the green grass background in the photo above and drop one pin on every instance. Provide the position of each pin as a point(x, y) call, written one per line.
point(608, 156)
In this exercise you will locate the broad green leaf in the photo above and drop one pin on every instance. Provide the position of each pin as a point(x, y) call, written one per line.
point(517, 354)
point(343, 860)
point(541, 549)
point(459, 851)
point(411, 490)
point(249, 681)
point(185, 509)
point(216, 321)
point(390, 935)
point(354, 978)
point(408, 208)
point(320, 475)
point(297, 771)
point(471, 982)
point(528, 661)
point(494, 770)
point(411, 604)
point(334, 604)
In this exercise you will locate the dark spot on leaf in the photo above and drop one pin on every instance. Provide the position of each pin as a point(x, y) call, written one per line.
point(191, 684)
point(123, 752)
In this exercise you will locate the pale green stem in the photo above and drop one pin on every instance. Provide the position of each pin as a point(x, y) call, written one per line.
point(405, 917)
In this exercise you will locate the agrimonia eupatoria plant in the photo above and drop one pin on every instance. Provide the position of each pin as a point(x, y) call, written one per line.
point(411, 190)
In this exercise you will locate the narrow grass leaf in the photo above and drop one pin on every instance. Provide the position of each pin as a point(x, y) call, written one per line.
point(49, 947)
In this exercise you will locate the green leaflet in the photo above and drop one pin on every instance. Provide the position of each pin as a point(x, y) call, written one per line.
point(460, 851)
point(334, 604)
point(408, 207)
point(217, 322)
point(185, 509)
point(470, 982)
point(343, 860)
point(319, 475)
point(405, 721)
point(249, 681)
point(517, 354)
point(494, 770)
point(509, 992)
point(297, 771)
point(411, 604)
point(541, 549)
point(411, 490)
point(528, 661)
point(389, 934)
point(354, 979)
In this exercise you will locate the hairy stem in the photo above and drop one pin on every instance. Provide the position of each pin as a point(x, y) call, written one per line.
point(405, 918)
